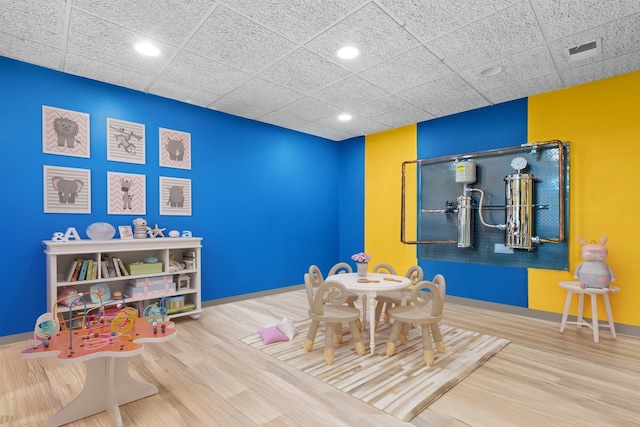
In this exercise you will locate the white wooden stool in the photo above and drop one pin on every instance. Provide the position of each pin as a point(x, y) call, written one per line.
point(572, 287)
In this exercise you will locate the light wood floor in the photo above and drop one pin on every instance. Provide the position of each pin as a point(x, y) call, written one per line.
point(207, 377)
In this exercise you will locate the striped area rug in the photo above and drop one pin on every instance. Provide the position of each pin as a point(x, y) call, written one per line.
point(400, 385)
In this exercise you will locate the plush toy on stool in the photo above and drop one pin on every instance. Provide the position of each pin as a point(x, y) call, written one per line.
point(593, 272)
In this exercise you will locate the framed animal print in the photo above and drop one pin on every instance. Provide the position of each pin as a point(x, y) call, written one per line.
point(66, 190)
point(175, 196)
point(65, 132)
point(125, 141)
point(175, 149)
point(126, 194)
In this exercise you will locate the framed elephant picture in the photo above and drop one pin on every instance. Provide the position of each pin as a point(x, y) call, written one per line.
point(66, 190)
point(126, 194)
point(175, 149)
point(175, 196)
point(65, 132)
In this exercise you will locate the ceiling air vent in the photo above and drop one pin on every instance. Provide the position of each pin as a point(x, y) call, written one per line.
point(585, 50)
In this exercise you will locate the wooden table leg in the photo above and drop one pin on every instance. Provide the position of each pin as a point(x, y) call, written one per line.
point(594, 318)
point(567, 305)
point(607, 306)
point(372, 322)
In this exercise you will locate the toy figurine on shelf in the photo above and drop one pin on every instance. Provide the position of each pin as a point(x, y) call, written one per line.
point(593, 272)
point(139, 228)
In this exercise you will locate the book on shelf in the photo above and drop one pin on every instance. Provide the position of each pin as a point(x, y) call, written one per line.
point(116, 266)
point(123, 269)
point(76, 272)
point(94, 272)
point(110, 267)
point(83, 270)
point(89, 275)
point(103, 268)
point(71, 270)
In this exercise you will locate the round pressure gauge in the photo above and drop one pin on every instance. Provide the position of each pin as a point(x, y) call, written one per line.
point(519, 163)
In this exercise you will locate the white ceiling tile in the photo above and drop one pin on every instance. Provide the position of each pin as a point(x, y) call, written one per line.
point(34, 20)
point(106, 42)
point(602, 69)
point(523, 66)
point(304, 71)
point(170, 22)
point(618, 38)
point(264, 94)
point(430, 19)
point(238, 42)
point(374, 33)
point(105, 72)
point(358, 125)
point(310, 109)
point(562, 18)
point(522, 89)
point(390, 109)
point(507, 32)
point(297, 20)
point(195, 71)
point(349, 92)
point(238, 108)
point(406, 70)
point(182, 93)
point(29, 51)
point(442, 95)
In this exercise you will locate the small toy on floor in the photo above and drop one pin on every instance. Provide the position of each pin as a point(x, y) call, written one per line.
point(593, 272)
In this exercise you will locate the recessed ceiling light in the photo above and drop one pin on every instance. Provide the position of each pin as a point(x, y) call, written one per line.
point(147, 49)
point(492, 71)
point(344, 117)
point(348, 52)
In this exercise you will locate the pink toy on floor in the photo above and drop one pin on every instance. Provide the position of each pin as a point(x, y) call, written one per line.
point(593, 272)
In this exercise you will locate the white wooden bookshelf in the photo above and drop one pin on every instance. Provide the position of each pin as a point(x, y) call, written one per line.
point(60, 255)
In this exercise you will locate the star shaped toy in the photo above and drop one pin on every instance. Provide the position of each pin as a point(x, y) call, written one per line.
point(155, 232)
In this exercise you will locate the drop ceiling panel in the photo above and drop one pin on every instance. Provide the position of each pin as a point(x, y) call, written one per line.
point(349, 92)
point(407, 70)
point(304, 71)
point(562, 18)
point(430, 19)
point(232, 39)
point(196, 71)
point(374, 33)
point(275, 60)
point(297, 20)
point(170, 22)
point(502, 34)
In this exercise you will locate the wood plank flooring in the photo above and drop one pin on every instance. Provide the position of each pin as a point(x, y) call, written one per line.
point(207, 377)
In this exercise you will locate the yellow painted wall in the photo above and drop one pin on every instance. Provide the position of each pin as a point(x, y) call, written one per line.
point(384, 154)
point(601, 122)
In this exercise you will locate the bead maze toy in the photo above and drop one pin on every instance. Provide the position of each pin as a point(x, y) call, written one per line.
point(97, 329)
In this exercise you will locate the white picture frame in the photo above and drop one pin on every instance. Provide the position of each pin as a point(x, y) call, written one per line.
point(66, 190)
point(65, 132)
point(126, 141)
point(175, 196)
point(174, 149)
point(126, 194)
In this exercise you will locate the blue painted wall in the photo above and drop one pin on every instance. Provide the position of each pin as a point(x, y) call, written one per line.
point(264, 198)
point(502, 125)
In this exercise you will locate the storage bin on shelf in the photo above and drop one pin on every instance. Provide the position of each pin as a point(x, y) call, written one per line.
point(136, 268)
point(174, 303)
point(151, 287)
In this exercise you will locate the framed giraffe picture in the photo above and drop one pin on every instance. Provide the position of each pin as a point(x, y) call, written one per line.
point(126, 193)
